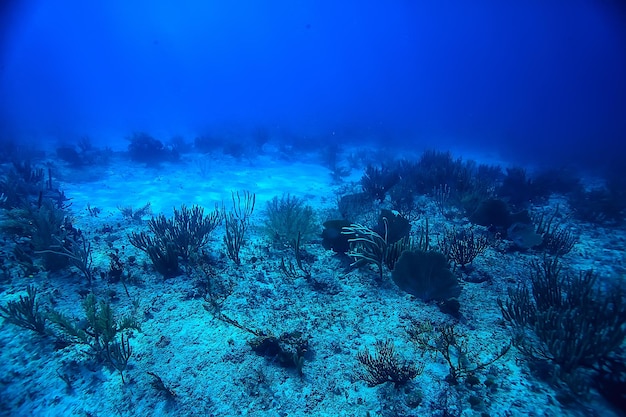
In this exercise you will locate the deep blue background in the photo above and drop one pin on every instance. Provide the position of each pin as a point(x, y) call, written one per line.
point(540, 79)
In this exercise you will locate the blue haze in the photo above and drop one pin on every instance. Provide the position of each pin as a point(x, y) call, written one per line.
point(534, 80)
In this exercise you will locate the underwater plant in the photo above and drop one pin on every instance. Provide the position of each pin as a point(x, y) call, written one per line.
point(83, 154)
point(145, 148)
point(376, 182)
point(25, 312)
point(22, 184)
point(386, 366)
point(160, 386)
point(236, 223)
point(46, 228)
point(182, 235)
point(99, 330)
point(518, 189)
point(292, 271)
point(452, 345)
point(368, 246)
point(496, 213)
point(600, 205)
point(286, 217)
point(462, 246)
point(128, 213)
point(556, 239)
point(436, 168)
point(426, 275)
point(163, 255)
point(566, 320)
point(77, 250)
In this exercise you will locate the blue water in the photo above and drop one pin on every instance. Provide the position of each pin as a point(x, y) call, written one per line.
point(539, 80)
